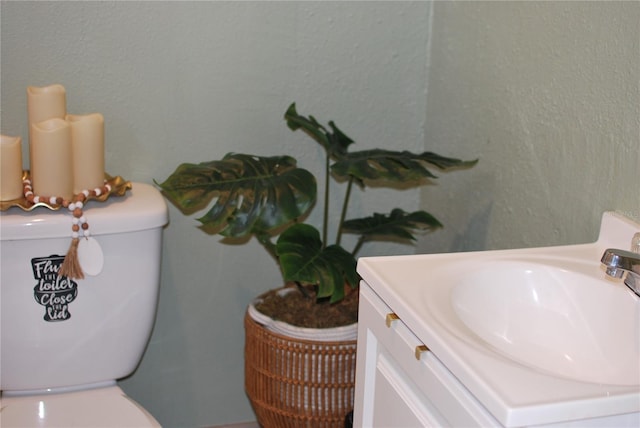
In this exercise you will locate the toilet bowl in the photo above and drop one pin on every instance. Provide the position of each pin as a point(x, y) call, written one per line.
point(106, 406)
point(64, 342)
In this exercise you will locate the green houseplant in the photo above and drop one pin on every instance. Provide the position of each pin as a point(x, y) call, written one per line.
point(268, 198)
point(263, 197)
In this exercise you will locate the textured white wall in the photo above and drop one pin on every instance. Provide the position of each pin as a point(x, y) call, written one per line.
point(191, 81)
point(547, 95)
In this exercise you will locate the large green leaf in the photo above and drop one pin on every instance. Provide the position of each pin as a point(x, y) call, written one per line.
point(335, 142)
point(254, 194)
point(392, 166)
point(304, 259)
point(396, 225)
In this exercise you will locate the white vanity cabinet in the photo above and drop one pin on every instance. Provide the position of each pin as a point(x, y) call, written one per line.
point(418, 366)
point(400, 382)
point(532, 337)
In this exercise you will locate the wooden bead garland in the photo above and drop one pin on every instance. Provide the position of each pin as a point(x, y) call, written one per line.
point(79, 227)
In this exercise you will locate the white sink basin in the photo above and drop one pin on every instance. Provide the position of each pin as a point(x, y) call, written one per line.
point(559, 317)
point(537, 335)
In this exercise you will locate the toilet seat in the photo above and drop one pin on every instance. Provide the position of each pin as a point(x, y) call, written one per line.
point(102, 407)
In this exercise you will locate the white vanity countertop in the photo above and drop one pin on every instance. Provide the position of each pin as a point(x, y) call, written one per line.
point(514, 393)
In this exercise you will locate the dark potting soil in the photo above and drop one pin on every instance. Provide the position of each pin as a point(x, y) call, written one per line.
point(306, 311)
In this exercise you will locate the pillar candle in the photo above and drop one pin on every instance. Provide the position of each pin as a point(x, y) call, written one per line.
point(10, 168)
point(46, 102)
point(51, 161)
point(87, 142)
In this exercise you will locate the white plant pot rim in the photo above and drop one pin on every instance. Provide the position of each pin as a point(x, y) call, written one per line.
point(333, 334)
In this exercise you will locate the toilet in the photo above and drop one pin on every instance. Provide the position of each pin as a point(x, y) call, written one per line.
point(64, 343)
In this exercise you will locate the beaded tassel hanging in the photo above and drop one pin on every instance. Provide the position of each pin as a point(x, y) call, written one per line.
point(70, 266)
point(79, 229)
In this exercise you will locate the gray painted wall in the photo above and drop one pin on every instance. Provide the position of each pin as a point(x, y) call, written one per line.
point(191, 81)
point(545, 94)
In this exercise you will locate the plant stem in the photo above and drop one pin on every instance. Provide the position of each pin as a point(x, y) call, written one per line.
point(302, 290)
point(265, 240)
point(345, 205)
point(325, 221)
point(358, 246)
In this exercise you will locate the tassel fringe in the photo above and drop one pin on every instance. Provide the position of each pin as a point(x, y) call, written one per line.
point(70, 266)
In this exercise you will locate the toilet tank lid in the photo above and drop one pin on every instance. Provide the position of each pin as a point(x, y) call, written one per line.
point(143, 207)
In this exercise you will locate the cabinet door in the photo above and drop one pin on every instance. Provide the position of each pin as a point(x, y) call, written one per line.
point(386, 395)
point(399, 382)
point(396, 402)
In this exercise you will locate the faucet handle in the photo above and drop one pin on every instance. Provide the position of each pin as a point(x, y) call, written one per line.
point(618, 259)
point(619, 263)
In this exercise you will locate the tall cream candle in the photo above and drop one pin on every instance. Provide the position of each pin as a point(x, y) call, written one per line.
point(46, 102)
point(87, 142)
point(10, 168)
point(51, 159)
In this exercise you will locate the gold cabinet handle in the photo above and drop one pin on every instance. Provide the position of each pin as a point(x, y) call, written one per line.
point(391, 317)
point(419, 350)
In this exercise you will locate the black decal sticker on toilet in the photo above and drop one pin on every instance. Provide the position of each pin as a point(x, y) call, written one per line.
point(52, 291)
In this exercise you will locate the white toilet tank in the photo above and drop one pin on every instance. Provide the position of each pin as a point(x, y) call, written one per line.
point(68, 334)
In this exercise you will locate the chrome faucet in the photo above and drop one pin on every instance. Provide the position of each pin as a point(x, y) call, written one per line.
point(621, 262)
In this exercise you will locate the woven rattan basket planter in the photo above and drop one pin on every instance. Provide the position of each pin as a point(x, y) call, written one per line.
point(295, 382)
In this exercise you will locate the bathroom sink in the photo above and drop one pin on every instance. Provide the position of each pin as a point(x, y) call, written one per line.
point(537, 335)
point(560, 317)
